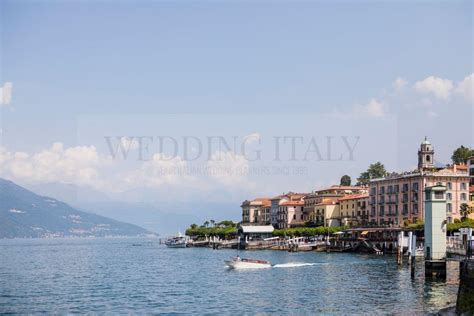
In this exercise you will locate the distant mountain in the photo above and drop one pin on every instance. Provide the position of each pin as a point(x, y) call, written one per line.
point(26, 214)
point(149, 208)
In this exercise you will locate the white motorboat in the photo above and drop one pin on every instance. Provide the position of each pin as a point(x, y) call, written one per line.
point(245, 263)
point(177, 241)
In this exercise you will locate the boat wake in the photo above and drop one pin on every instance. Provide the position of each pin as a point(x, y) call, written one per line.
point(293, 265)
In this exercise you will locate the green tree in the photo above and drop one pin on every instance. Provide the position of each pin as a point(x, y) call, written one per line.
point(194, 226)
point(345, 180)
point(213, 222)
point(461, 154)
point(375, 170)
point(464, 210)
point(205, 224)
point(227, 224)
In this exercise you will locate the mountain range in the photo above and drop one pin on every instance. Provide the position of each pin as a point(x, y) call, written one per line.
point(155, 210)
point(24, 214)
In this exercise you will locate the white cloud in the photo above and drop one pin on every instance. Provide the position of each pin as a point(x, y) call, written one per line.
point(160, 170)
point(129, 143)
point(440, 88)
point(228, 168)
point(432, 114)
point(466, 88)
point(252, 138)
point(399, 83)
point(6, 93)
point(78, 165)
point(372, 109)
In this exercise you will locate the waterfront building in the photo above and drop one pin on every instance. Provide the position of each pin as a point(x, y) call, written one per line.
point(264, 215)
point(397, 198)
point(252, 210)
point(354, 209)
point(277, 201)
point(254, 232)
point(290, 214)
point(322, 200)
point(470, 166)
point(327, 213)
point(471, 198)
point(275, 206)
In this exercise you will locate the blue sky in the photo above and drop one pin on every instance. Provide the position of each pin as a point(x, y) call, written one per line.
point(72, 63)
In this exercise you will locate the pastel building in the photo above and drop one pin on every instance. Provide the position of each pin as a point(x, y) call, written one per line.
point(470, 166)
point(290, 214)
point(256, 211)
point(327, 213)
point(321, 206)
point(354, 209)
point(399, 198)
point(277, 213)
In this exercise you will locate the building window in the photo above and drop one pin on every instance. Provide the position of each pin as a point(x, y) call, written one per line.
point(415, 208)
point(449, 196)
point(449, 207)
point(415, 186)
point(405, 187)
point(463, 196)
point(397, 187)
point(382, 190)
point(439, 195)
point(463, 186)
point(372, 191)
point(381, 211)
point(450, 186)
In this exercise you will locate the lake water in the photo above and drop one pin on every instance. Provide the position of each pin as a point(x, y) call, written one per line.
point(141, 276)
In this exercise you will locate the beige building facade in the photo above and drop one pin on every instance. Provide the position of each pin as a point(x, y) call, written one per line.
point(398, 198)
point(354, 209)
point(256, 211)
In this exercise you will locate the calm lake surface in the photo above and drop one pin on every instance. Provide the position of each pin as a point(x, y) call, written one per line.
point(141, 276)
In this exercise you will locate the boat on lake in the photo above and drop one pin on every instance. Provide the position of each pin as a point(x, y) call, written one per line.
point(178, 241)
point(246, 263)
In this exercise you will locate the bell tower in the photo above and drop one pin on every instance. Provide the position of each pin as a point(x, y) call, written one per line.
point(425, 155)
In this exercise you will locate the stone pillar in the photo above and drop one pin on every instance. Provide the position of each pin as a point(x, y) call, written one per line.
point(435, 231)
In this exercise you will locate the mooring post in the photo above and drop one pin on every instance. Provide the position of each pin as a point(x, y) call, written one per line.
point(400, 248)
point(412, 255)
point(410, 249)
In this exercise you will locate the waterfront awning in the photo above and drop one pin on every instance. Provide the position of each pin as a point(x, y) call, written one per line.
point(365, 232)
point(256, 229)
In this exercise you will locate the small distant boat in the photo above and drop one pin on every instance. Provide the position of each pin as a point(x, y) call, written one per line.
point(245, 263)
point(177, 241)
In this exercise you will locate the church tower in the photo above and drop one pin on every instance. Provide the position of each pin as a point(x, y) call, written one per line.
point(425, 155)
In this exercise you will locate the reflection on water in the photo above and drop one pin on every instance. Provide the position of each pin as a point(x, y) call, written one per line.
point(98, 275)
